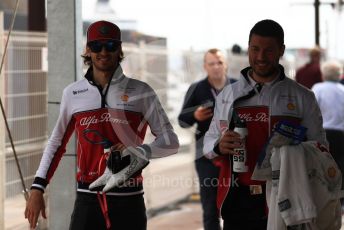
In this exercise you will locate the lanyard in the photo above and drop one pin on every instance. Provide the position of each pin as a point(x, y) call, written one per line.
point(104, 208)
point(102, 196)
point(105, 93)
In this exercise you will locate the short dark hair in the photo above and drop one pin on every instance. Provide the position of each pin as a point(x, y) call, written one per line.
point(268, 28)
point(211, 51)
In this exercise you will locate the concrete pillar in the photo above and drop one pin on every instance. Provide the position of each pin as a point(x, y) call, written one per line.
point(64, 24)
point(2, 133)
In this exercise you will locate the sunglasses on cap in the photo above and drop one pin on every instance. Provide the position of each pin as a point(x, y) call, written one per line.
point(110, 46)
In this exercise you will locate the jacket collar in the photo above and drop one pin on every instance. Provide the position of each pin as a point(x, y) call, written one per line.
point(116, 77)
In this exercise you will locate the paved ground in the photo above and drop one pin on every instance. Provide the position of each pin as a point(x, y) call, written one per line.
point(185, 217)
point(14, 213)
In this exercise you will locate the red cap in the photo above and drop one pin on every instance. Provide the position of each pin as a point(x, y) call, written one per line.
point(103, 30)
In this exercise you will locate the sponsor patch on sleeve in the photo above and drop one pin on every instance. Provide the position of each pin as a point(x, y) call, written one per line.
point(284, 205)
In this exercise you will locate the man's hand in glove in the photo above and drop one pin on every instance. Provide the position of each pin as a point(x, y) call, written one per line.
point(111, 177)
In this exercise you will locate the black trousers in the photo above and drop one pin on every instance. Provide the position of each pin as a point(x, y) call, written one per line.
point(245, 225)
point(208, 175)
point(336, 142)
point(125, 212)
point(243, 211)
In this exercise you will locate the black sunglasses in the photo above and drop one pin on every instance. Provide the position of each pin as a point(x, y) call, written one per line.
point(110, 46)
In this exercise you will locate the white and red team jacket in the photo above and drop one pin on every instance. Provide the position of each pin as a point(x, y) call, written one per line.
point(282, 99)
point(120, 113)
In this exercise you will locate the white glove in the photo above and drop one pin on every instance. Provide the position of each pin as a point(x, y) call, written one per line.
point(138, 161)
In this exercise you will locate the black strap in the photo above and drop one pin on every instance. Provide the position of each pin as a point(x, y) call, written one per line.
point(104, 95)
point(258, 87)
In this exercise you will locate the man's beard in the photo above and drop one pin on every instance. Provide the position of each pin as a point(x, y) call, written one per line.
point(264, 73)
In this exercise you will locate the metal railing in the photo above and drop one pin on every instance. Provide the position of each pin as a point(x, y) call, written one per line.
point(25, 101)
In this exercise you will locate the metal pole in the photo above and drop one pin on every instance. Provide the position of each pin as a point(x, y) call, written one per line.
point(317, 30)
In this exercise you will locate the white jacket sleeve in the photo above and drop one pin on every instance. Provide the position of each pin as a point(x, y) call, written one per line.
point(220, 122)
point(312, 119)
point(294, 197)
point(56, 145)
point(166, 141)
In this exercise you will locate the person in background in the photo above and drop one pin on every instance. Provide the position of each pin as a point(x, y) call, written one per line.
point(198, 109)
point(342, 80)
point(262, 97)
point(342, 76)
point(310, 73)
point(330, 97)
point(108, 112)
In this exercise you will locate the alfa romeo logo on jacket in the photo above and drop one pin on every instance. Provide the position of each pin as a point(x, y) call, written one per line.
point(104, 30)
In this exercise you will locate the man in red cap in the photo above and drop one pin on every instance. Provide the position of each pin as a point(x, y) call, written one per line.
point(109, 113)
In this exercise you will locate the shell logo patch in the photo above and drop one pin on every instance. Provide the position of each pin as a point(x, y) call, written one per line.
point(331, 172)
point(124, 97)
point(291, 106)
